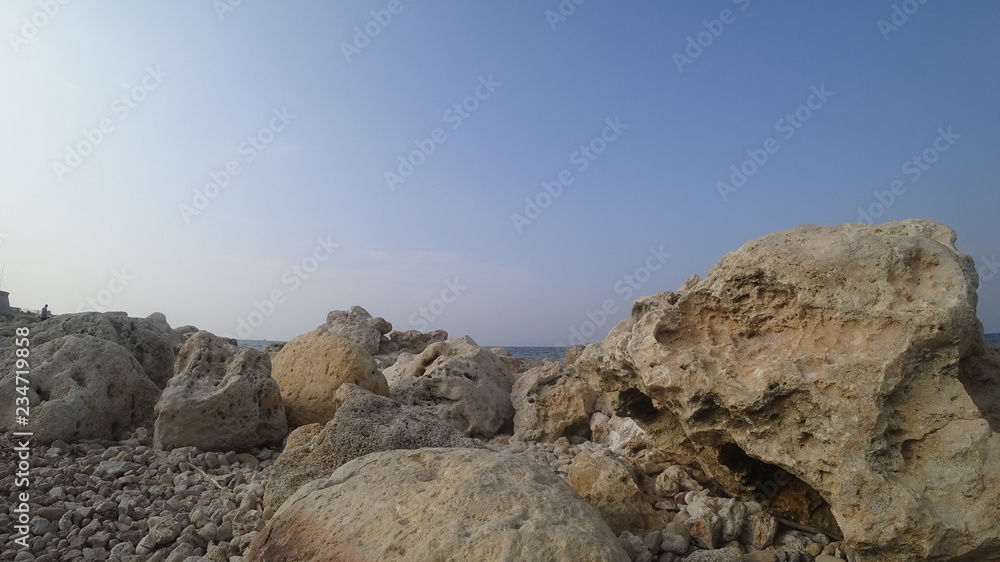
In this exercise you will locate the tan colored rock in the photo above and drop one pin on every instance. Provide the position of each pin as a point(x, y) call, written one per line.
point(436, 504)
point(460, 382)
point(415, 341)
point(364, 423)
point(150, 340)
point(850, 357)
point(552, 401)
point(221, 399)
point(358, 326)
point(81, 387)
point(310, 368)
point(608, 484)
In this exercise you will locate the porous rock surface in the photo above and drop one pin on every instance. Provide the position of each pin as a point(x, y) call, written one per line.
point(150, 340)
point(357, 325)
point(460, 382)
point(850, 357)
point(221, 399)
point(80, 387)
point(310, 368)
point(364, 423)
point(436, 504)
point(607, 483)
point(552, 401)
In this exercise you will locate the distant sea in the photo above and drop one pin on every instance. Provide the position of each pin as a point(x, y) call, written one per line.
point(555, 353)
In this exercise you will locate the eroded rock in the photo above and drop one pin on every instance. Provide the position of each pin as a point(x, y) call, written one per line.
point(436, 504)
point(221, 399)
point(850, 357)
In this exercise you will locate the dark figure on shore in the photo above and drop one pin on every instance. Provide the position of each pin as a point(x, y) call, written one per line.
point(45, 314)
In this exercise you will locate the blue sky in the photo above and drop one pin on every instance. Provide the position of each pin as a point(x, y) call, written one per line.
point(243, 180)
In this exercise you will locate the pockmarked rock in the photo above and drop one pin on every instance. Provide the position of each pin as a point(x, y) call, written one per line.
point(150, 340)
point(221, 399)
point(436, 504)
point(364, 423)
point(552, 401)
point(460, 382)
point(847, 358)
point(310, 368)
point(81, 387)
point(358, 326)
point(608, 484)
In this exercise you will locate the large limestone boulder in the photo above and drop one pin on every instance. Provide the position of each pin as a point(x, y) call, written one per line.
point(80, 387)
point(364, 423)
point(851, 358)
point(436, 504)
point(310, 368)
point(460, 382)
point(552, 401)
point(358, 326)
point(221, 399)
point(150, 340)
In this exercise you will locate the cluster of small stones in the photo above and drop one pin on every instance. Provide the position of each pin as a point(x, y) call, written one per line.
point(129, 502)
point(741, 524)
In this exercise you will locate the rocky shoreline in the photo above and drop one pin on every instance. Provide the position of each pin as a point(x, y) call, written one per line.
point(105, 500)
point(826, 393)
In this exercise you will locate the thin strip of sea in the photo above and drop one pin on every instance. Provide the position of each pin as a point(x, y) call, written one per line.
point(554, 353)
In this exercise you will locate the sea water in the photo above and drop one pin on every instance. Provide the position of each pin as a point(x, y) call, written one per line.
point(552, 353)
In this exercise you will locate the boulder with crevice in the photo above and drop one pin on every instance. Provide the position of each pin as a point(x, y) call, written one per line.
point(849, 358)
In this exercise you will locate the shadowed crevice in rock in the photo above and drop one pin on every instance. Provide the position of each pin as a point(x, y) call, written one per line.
point(782, 494)
point(632, 403)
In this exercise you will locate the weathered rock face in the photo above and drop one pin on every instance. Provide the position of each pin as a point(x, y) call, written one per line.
point(552, 401)
point(608, 485)
point(415, 341)
point(221, 399)
point(81, 387)
point(151, 340)
point(364, 423)
point(852, 358)
point(358, 326)
point(310, 368)
point(460, 382)
point(436, 504)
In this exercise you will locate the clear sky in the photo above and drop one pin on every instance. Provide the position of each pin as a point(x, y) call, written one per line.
point(497, 169)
